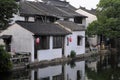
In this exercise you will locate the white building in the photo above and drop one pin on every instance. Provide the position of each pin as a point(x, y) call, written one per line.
point(54, 39)
point(46, 31)
point(91, 16)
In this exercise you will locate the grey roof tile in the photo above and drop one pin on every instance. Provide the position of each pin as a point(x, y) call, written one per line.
point(43, 28)
point(38, 8)
point(71, 25)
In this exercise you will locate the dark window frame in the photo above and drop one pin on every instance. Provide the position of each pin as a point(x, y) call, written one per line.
point(58, 77)
point(79, 40)
point(57, 41)
point(78, 20)
point(44, 43)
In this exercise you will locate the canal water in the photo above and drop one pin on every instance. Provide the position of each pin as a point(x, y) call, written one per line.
point(95, 68)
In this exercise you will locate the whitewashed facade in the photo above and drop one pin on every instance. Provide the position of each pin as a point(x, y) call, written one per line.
point(90, 18)
point(20, 43)
point(24, 41)
point(79, 49)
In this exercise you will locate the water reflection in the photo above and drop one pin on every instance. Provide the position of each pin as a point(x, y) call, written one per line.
point(60, 72)
point(96, 68)
point(70, 71)
point(105, 68)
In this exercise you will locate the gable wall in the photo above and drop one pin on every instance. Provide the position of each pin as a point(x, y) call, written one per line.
point(22, 40)
point(90, 18)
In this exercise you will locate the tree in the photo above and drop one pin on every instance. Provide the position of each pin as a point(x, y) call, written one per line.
point(93, 28)
point(5, 63)
point(7, 9)
point(108, 15)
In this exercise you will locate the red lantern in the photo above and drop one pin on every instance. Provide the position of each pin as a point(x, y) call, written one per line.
point(70, 39)
point(37, 40)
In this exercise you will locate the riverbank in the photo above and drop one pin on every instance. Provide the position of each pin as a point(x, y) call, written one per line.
point(58, 61)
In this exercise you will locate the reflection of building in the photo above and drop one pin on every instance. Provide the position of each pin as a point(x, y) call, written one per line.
point(48, 73)
point(46, 30)
point(76, 72)
point(56, 72)
point(60, 72)
point(92, 66)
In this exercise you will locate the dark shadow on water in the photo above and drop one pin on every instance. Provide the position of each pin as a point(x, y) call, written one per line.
point(6, 76)
point(16, 75)
point(72, 63)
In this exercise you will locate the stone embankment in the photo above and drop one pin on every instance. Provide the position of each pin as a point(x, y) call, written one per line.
point(63, 60)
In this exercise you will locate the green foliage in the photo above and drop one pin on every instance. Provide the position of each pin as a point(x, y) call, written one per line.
point(7, 8)
point(72, 54)
point(108, 23)
point(93, 28)
point(5, 63)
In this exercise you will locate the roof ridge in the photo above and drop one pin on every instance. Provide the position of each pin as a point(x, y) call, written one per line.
point(92, 11)
point(63, 27)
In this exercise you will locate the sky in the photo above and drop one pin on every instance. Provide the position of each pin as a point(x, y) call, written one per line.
point(84, 3)
point(88, 4)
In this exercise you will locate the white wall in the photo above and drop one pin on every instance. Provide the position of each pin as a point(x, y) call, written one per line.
point(17, 17)
point(51, 53)
point(22, 40)
point(20, 18)
point(71, 19)
point(73, 45)
point(32, 19)
point(90, 18)
point(57, 53)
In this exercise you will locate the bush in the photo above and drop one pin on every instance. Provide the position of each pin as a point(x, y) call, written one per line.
point(72, 54)
point(5, 63)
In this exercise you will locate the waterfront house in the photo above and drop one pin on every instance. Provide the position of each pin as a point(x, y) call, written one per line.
point(46, 31)
point(91, 16)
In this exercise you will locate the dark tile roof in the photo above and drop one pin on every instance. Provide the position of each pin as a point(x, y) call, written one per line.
point(43, 28)
point(92, 11)
point(38, 8)
point(26, 8)
point(71, 25)
point(5, 36)
point(59, 3)
point(69, 12)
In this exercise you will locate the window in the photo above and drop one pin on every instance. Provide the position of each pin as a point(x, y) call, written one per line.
point(78, 20)
point(44, 42)
point(79, 40)
point(58, 41)
point(57, 77)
